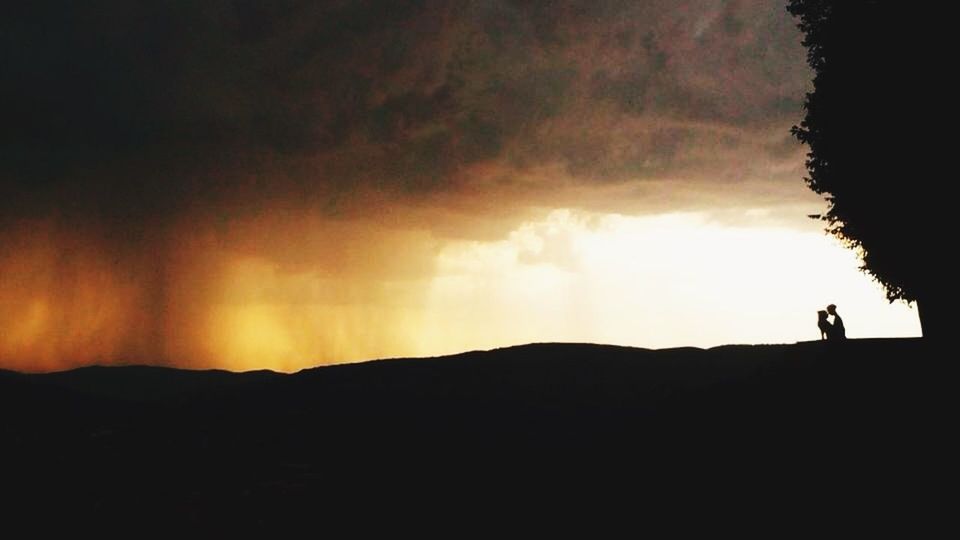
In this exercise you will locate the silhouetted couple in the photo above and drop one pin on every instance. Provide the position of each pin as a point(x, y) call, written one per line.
point(828, 330)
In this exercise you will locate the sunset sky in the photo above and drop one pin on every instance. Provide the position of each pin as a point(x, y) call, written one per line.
point(287, 183)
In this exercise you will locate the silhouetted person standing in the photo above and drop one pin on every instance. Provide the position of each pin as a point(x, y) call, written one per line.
point(826, 329)
point(839, 332)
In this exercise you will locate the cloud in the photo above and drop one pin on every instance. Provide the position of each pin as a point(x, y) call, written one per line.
point(155, 151)
point(148, 106)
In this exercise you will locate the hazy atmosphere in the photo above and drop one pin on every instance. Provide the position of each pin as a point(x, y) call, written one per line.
point(228, 184)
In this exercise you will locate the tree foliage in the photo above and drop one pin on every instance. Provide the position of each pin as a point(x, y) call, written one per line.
point(871, 126)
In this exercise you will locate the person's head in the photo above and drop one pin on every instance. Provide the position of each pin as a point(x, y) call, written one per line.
point(832, 309)
point(821, 315)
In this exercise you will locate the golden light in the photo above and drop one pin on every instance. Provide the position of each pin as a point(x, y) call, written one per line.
point(664, 281)
point(295, 292)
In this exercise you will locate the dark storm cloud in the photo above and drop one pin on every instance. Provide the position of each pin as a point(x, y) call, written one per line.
point(199, 182)
point(140, 108)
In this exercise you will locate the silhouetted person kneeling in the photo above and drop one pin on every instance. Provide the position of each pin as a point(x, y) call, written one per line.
point(826, 329)
point(839, 332)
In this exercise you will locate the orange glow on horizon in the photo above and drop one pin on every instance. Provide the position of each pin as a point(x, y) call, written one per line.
point(348, 291)
point(61, 302)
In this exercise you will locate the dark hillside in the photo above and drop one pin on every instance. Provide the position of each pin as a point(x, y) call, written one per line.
point(578, 423)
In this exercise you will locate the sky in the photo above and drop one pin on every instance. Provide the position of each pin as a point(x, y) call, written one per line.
point(245, 184)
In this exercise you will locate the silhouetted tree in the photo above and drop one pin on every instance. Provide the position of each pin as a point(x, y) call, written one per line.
point(875, 152)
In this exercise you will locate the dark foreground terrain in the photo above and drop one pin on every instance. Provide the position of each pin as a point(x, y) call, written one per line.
point(546, 434)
